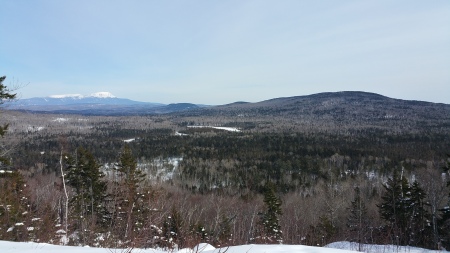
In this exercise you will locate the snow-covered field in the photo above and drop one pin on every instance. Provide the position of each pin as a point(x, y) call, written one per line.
point(337, 247)
point(23, 247)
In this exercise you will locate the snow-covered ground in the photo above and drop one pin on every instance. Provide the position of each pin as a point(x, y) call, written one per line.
point(23, 247)
point(337, 247)
point(157, 170)
point(60, 119)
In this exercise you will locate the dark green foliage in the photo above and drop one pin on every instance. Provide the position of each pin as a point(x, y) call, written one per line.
point(130, 207)
point(14, 202)
point(420, 218)
point(14, 207)
point(393, 208)
point(322, 233)
point(128, 171)
point(5, 95)
point(358, 220)
point(200, 233)
point(444, 221)
point(271, 216)
point(173, 230)
point(403, 208)
point(88, 203)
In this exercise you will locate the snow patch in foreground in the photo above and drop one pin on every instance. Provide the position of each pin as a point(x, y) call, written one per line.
point(336, 247)
point(24, 247)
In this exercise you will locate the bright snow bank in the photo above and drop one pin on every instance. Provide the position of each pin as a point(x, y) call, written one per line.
point(372, 248)
point(23, 247)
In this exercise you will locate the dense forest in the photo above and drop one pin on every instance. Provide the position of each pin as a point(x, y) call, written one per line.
point(225, 177)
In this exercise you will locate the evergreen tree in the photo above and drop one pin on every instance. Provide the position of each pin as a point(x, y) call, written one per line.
point(130, 201)
point(14, 201)
point(404, 208)
point(270, 218)
point(419, 227)
point(14, 207)
point(89, 201)
point(173, 230)
point(358, 221)
point(224, 233)
point(393, 209)
point(5, 95)
point(444, 221)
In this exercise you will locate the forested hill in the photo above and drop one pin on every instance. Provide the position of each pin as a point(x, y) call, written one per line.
point(339, 106)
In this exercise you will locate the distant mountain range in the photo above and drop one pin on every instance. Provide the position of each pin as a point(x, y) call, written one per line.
point(336, 106)
point(99, 98)
point(100, 103)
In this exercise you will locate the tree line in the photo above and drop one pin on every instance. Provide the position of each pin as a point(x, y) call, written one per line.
point(85, 206)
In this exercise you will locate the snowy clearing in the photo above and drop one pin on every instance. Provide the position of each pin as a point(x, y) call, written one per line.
point(33, 129)
point(24, 247)
point(61, 119)
point(336, 247)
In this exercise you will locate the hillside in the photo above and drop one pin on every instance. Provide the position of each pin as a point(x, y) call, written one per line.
point(348, 106)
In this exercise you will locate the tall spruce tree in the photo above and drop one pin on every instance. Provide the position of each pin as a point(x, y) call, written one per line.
point(172, 230)
point(13, 198)
point(358, 220)
point(404, 208)
point(5, 95)
point(271, 216)
point(89, 200)
point(419, 223)
point(393, 209)
point(14, 207)
point(444, 221)
point(130, 202)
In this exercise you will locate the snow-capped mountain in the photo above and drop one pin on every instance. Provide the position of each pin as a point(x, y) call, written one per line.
point(99, 103)
point(98, 98)
point(67, 96)
point(102, 94)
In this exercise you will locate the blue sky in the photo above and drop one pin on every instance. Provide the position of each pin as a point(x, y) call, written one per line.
point(217, 52)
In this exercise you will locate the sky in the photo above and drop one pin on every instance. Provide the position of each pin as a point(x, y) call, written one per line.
point(218, 52)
